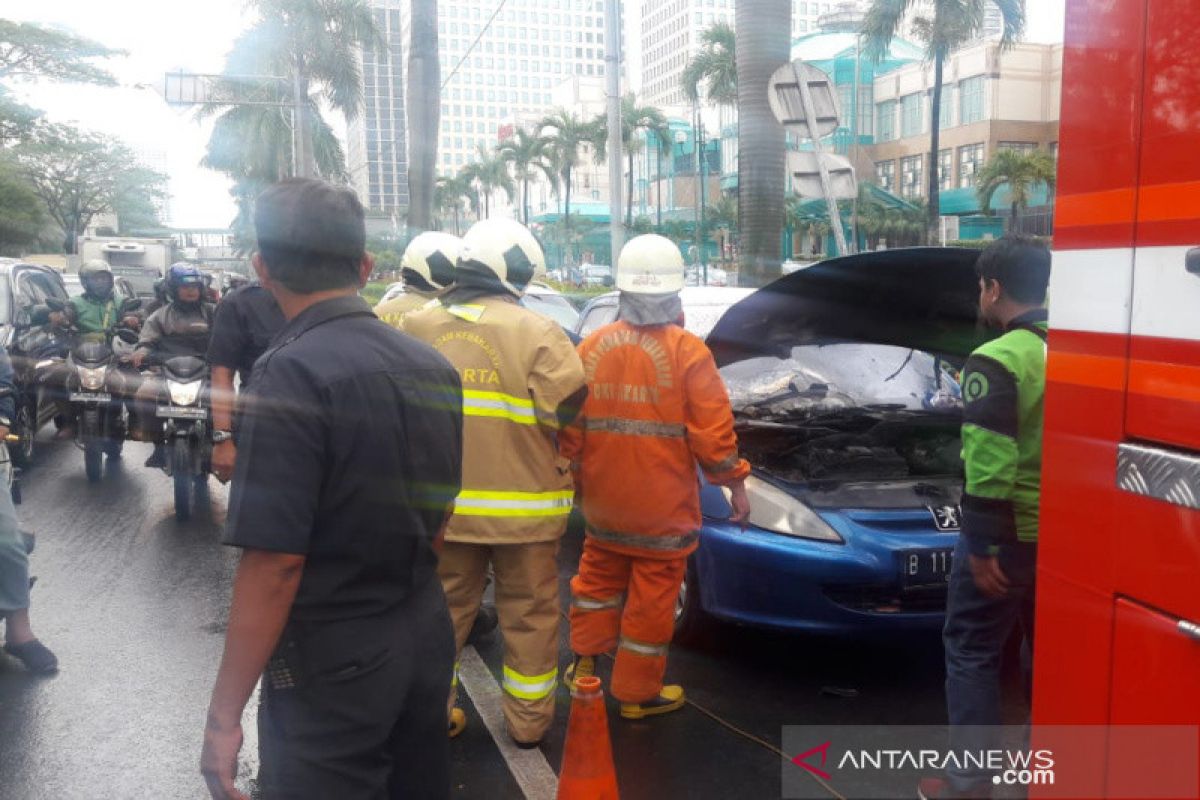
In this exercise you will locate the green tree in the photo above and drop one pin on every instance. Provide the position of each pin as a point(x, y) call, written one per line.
point(763, 45)
point(568, 135)
point(21, 216)
point(450, 194)
point(1019, 174)
point(943, 25)
point(78, 175)
point(424, 106)
point(634, 119)
point(714, 66)
point(530, 156)
point(29, 51)
point(489, 172)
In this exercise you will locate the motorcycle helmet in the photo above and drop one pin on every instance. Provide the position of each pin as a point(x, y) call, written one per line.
point(500, 254)
point(182, 274)
point(96, 277)
point(650, 264)
point(429, 259)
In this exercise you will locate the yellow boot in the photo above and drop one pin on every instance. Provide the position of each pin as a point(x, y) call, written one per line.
point(581, 667)
point(458, 722)
point(670, 698)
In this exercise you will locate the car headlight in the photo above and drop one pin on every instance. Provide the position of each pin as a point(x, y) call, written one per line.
point(91, 378)
point(184, 394)
point(775, 510)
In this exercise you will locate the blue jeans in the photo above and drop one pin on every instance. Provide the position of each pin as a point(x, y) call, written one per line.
point(977, 628)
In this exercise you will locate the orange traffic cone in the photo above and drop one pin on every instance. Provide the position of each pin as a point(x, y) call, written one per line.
point(587, 768)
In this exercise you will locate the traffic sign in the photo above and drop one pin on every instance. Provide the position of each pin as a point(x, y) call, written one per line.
point(787, 99)
point(806, 175)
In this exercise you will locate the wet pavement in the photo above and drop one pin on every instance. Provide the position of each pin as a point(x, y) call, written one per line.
point(134, 604)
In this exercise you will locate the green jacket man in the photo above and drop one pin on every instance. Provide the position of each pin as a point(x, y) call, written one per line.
point(99, 307)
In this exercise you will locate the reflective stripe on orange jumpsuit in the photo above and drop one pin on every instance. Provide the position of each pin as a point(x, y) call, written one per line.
point(656, 407)
point(522, 380)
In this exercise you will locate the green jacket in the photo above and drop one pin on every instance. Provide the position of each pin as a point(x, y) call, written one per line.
point(95, 316)
point(1004, 387)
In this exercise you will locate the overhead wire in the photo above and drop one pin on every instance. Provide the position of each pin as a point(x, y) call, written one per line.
point(487, 25)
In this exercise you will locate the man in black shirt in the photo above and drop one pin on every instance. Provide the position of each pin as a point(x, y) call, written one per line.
point(246, 321)
point(351, 449)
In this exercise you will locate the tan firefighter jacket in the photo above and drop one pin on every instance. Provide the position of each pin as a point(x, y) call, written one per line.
point(397, 308)
point(520, 375)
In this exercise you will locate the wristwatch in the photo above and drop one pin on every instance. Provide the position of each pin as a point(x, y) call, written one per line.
point(221, 436)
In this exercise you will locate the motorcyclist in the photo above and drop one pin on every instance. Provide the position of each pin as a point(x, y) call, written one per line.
point(180, 328)
point(95, 311)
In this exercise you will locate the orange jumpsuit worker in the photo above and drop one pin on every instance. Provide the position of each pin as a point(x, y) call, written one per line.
point(656, 407)
point(522, 381)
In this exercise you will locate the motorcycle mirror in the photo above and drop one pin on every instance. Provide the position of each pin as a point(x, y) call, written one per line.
point(131, 304)
point(127, 336)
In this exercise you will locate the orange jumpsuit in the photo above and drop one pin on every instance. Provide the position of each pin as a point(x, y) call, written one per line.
point(656, 407)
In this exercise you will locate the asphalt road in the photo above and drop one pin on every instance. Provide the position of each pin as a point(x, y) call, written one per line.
point(134, 604)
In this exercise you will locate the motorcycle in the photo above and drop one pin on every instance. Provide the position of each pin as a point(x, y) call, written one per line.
point(95, 391)
point(187, 418)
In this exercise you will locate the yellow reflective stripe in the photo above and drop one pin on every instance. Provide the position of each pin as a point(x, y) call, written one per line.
point(642, 648)
point(454, 676)
point(474, 503)
point(470, 313)
point(497, 404)
point(529, 687)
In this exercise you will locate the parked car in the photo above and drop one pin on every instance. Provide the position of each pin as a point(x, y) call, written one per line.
point(596, 275)
point(35, 349)
point(75, 288)
point(702, 307)
point(716, 276)
point(842, 378)
point(551, 303)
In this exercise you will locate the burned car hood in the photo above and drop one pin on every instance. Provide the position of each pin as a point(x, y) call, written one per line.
point(923, 298)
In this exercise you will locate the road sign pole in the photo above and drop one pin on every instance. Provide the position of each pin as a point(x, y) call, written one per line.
point(810, 113)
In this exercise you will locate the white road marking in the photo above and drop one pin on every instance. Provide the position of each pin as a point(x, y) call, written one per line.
point(528, 767)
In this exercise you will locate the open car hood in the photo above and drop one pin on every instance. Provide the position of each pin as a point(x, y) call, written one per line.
point(924, 298)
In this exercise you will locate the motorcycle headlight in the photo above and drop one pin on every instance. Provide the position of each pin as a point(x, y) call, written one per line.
point(92, 378)
point(184, 394)
point(777, 511)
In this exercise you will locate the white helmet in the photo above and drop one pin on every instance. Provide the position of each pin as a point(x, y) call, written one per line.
point(650, 264)
point(500, 254)
point(432, 256)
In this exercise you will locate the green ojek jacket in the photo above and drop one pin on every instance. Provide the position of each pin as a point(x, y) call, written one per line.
point(96, 316)
point(1004, 387)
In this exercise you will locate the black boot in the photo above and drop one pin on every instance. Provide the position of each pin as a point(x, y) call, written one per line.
point(485, 622)
point(157, 459)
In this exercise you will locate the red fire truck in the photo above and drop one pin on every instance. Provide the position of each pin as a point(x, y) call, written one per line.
point(1118, 628)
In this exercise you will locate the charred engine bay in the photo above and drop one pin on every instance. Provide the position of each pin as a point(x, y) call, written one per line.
point(854, 445)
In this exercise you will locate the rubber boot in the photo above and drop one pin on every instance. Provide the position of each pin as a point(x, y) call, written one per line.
point(581, 667)
point(458, 722)
point(157, 459)
point(670, 698)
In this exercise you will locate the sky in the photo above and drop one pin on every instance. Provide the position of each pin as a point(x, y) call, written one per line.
point(163, 36)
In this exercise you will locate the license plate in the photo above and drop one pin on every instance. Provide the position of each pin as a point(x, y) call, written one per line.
point(924, 567)
point(90, 397)
point(182, 412)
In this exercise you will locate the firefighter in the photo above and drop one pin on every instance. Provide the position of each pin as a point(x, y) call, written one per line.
point(522, 382)
point(991, 589)
point(428, 271)
point(656, 407)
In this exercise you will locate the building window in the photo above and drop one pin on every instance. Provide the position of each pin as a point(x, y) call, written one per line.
point(887, 121)
point(946, 169)
point(885, 175)
point(1054, 150)
point(970, 99)
point(911, 118)
point(911, 176)
point(1024, 148)
point(946, 110)
point(970, 161)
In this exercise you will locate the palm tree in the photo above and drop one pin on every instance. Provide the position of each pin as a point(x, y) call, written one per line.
point(715, 66)
point(952, 24)
point(636, 118)
point(449, 194)
point(424, 110)
point(567, 135)
point(489, 171)
point(763, 45)
point(530, 156)
point(1020, 173)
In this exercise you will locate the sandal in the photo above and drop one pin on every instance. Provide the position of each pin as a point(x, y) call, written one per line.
point(36, 657)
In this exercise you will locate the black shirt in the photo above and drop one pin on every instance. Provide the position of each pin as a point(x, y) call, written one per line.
point(351, 455)
point(247, 320)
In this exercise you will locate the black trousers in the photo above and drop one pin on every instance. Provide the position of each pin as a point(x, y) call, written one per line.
point(356, 710)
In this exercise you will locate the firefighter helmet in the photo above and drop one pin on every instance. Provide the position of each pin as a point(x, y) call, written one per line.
point(432, 257)
point(502, 254)
point(650, 264)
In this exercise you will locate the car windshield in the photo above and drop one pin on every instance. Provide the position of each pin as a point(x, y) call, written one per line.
point(833, 376)
point(556, 307)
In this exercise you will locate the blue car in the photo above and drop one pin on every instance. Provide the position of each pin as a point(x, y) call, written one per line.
point(843, 379)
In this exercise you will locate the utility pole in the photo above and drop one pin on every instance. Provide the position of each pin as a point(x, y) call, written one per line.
point(301, 149)
point(612, 75)
point(700, 232)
